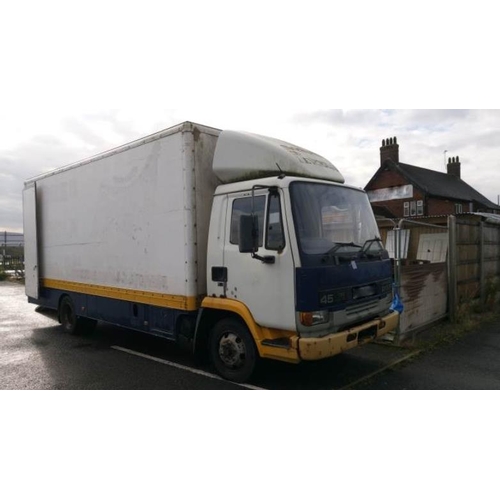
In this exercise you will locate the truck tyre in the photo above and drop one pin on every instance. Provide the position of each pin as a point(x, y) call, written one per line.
point(232, 350)
point(70, 322)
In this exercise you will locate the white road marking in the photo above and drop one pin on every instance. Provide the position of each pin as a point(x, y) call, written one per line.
point(183, 367)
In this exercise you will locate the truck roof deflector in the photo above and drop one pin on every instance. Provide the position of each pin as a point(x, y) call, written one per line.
point(243, 156)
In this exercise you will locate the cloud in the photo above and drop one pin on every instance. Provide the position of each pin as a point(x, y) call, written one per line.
point(78, 138)
point(340, 117)
point(355, 136)
point(399, 120)
point(349, 138)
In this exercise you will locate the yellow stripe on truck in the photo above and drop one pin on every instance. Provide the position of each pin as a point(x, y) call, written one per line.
point(140, 297)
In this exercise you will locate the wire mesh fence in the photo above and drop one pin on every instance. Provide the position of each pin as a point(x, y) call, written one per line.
point(12, 253)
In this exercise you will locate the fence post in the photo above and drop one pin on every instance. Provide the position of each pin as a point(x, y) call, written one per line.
point(482, 284)
point(396, 258)
point(452, 268)
point(4, 248)
point(397, 274)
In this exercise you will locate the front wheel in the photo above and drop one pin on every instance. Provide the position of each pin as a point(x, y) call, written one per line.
point(232, 350)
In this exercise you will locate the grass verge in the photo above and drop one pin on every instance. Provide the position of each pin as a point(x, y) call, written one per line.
point(447, 333)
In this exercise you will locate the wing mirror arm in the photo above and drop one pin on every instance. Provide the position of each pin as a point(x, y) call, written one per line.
point(266, 259)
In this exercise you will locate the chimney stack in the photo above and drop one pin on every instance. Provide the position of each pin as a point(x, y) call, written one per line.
point(453, 166)
point(389, 150)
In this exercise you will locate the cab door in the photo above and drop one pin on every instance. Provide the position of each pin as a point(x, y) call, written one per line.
point(267, 289)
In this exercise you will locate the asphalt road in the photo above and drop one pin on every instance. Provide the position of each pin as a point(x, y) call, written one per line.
point(470, 363)
point(36, 354)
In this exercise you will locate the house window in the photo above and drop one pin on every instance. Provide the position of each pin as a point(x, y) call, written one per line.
point(406, 206)
point(458, 208)
point(420, 207)
point(413, 208)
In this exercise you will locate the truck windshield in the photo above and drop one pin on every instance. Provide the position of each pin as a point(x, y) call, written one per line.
point(333, 219)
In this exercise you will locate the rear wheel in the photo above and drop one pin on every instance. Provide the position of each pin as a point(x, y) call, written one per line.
point(232, 350)
point(70, 322)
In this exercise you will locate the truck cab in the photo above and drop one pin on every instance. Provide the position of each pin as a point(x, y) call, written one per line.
point(296, 257)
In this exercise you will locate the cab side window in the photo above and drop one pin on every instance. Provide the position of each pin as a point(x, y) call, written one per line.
point(243, 206)
point(275, 239)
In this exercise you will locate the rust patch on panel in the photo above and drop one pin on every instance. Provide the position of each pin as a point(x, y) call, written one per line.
point(196, 134)
point(414, 278)
point(424, 294)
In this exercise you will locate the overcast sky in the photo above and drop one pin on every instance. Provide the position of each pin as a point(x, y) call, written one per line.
point(81, 77)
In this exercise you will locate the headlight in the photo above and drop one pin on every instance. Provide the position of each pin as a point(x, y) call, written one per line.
point(314, 318)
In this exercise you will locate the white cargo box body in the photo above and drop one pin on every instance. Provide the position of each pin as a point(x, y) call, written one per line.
point(134, 219)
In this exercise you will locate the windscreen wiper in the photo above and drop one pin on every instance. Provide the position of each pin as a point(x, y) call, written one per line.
point(337, 246)
point(369, 243)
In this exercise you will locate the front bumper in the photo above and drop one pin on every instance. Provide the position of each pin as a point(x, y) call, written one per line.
point(311, 349)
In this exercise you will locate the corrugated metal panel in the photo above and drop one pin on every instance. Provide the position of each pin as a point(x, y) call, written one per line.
point(424, 295)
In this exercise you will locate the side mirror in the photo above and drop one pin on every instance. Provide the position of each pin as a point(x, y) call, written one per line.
point(249, 233)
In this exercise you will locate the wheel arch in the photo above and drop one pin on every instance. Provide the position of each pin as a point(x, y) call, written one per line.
point(214, 310)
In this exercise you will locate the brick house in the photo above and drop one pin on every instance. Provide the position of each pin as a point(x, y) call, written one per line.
point(400, 190)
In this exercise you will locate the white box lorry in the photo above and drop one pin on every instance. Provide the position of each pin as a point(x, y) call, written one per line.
point(243, 246)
